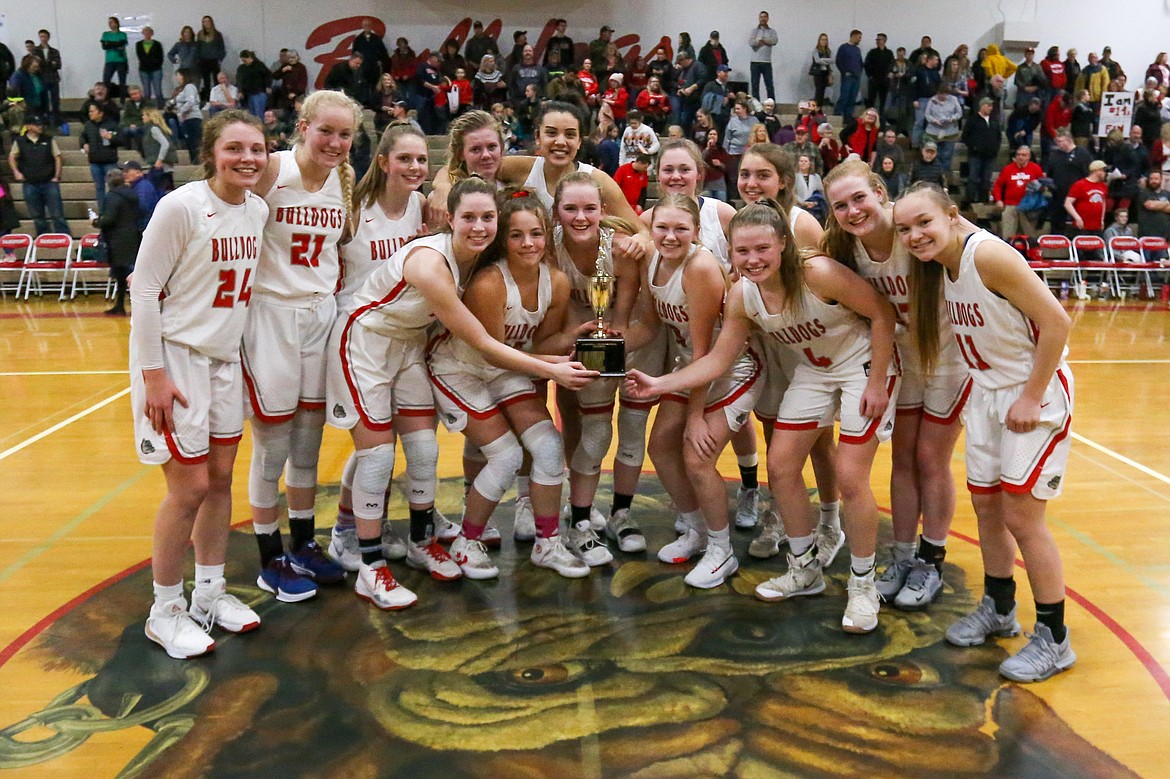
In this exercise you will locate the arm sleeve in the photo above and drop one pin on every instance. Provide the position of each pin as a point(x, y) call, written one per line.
point(162, 245)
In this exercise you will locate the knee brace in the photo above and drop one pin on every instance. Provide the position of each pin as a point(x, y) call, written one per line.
point(596, 436)
point(270, 446)
point(347, 473)
point(305, 448)
point(543, 442)
point(631, 427)
point(422, 463)
point(504, 457)
point(371, 479)
point(472, 452)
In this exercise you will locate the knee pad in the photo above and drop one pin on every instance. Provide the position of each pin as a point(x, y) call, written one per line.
point(422, 463)
point(371, 479)
point(347, 473)
point(472, 452)
point(270, 446)
point(504, 458)
point(305, 448)
point(596, 436)
point(543, 443)
point(631, 427)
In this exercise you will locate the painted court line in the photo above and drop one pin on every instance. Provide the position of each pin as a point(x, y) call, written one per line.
point(1118, 362)
point(1122, 458)
point(64, 373)
point(63, 423)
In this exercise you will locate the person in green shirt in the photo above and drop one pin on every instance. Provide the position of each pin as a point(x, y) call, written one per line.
point(114, 43)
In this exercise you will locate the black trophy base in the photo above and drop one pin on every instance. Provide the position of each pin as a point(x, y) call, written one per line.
point(607, 356)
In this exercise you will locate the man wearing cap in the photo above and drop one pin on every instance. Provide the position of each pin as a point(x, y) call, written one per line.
point(712, 55)
point(597, 48)
point(689, 80)
point(849, 66)
point(480, 44)
point(768, 116)
point(562, 44)
point(148, 196)
point(803, 146)
point(1086, 201)
point(35, 160)
point(1030, 80)
point(717, 97)
point(519, 41)
point(1110, 64)
point(400, 114)
point(981, 135)
point(1009, 189)
point(761, 41)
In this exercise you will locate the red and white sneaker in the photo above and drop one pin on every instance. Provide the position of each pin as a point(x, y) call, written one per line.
point(428, 555)
point(378, 586)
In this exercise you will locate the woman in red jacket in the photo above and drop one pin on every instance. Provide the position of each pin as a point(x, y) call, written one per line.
point(654, 105)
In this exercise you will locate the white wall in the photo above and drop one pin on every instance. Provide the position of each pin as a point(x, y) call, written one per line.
point(1136, 29)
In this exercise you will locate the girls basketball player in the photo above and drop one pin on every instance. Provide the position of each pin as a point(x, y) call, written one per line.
point(815, 308)
point(1013, 334)
point(192, 285)
point(687, 285)
point(860, 234)
point(309, 190)
point(389, 215)
point(523, 303)
point(767, 171)
point(382, 351)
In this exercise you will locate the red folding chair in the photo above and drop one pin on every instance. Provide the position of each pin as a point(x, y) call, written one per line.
point(19, 245)
point(89, 267)
point(1021, 243)
point(1156, 245)
point(38, 265)
point(1055, 255)
point(1120, 244)
point(1084, 244)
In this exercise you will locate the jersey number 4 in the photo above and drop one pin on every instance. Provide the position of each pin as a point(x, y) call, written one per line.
point(306, 249)
point(974, 360)
point(225, 294)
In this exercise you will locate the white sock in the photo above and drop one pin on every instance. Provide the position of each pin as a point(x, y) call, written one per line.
point(693, 519)
point(748, 460)
point(301, 514)
point(831, 514)
point(862, 566)
point(937, 542)
point(720, 539)
point(165, 593)
point(206, 575)
point(522, 486)
point(905, 548)
point(263, 530)
point(801, 544)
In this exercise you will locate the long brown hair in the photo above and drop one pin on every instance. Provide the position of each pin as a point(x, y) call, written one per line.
point(458, 130)
point(785, 168)
point(772, 215)
point(511, 203)
point(214, 127)
point(926, 286)
point(837, 242)
point(367, 191)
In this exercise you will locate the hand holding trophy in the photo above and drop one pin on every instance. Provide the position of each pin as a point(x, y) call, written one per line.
point(601, 350)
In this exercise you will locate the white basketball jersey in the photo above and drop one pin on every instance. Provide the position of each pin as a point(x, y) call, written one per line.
point(996, 339)
point(670, 303)
point(827, 338)
point(520, 324)
point(377, 238)
point(711, 233)
point(578, 281)
point(390, 306)
point(299, 258)
point(205, 299)
point(536, 185)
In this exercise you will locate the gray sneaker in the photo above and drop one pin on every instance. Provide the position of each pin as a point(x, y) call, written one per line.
point(982, 623)
point(772, 535)
point(829, 543)
point(891, 581)
point(1040, 658)
point(803, 577)
point(747, 507)
point(922, 585)
point(393, 547)
point(625, 531)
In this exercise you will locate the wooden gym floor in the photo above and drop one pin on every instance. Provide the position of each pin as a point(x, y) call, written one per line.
point(623, 674)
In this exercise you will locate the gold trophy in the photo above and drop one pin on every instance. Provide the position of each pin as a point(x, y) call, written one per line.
point(601, 350)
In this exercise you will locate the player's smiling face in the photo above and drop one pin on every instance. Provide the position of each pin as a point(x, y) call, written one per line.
point(240, 156)
point(406, 164)
point(678, 173)
point(923, 226)
point(855, 205)
point(481, 152)
point(526, 239)
point(673, 232)
point(758, 179)
point(579, 212)
point(329, 136)
point(560, 138)
point(474, 222)
point(756, 251)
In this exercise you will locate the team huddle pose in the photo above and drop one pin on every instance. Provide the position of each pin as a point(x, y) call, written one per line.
point(281, 289)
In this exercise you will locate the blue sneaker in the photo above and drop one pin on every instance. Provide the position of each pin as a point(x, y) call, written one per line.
point(311, 561)
point(279, 578)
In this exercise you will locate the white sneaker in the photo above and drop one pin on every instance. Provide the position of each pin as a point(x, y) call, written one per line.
point(472, 558)
point(393, 547)
point(715, 566)
point(446, 531)
point(684, 547)
point(747, 507)
point(214, 605)
point(891, 581)
point(803, 577)
point(343, 547)
point(491, 537)
point(861, 612)
point(767, 543)
point(829, 543)
point(524, 526)
point(625, 531)
point(680, 524)
point(428, 555)
point(596, 519)
point(551, 553)
point(171, 627)
point(922, 586)
point(378, 586)
point(583, 541)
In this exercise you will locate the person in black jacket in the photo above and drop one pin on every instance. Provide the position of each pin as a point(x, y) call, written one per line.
point(7, 68)
point(99, 139)
point(712, 55)
point(1067, 164)
point(252, 79)
point(981, 134)
point(50, 74)
point(375, 57)
point(150, 66)
point(118, 221)
point(878, 62)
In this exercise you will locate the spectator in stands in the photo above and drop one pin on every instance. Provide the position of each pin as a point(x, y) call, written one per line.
point(99, 140)
point(633, 180)
point(252, 79)
point(149, 54)
point(118, 219)
point(1095, 79)
point(1086, 199)
point(810, 117)
point(560, 43)
point(735, 141)
point(589, 83)
point(927, 81)
point(617, 99)
point(701, 127)
point(160, 152)
point(893, 180)
point(717, 97)
point(1057, 116)
point(1030, 80)
point(1009, 189)
point(981, 136)
point(831, 150)
point(50, 75)
point(147, 195)
point(450, 60)
point(114, 43)
point(863, 140)
point(1147, 114)
point(224, 94)
point(888, 146)
point(717, 163)
point(1115, 70)
point(1067, 164)
point(1072, 69)
point(995, 64)
point(431, 88)
point(849, 66)
point(821, 67)
point(759, 134)
point(26, 84)
point(690, 78)
point(996, 91)
point(609, 148)
point(956, 79)
point(523, 73)
point(7, 68)
point(1152, 207)
point(188, 117)
point(712, 55)
point(488, 85)
point(131, 122)
point(1130, 164)
point(900, 77)
point(375, 57)
point(654, 104)
point(808, 187)
point(685, 45)
point(802, 145)
point(277, 131)
point(1160, 153)
point(928, 167)
point(567, 88)
point(1122, 227)
point(480, 44)
point(184, 54)
point(35, 160)
point(1054, 71)
point(612, 63)
point(209, 51)
point(1023, 122)
point(979, 73)
point(402, 115)
point(599, 45)
point(1159, 70)
point(403, 66)
point(1082, 120)
point(943, 114)
point(660, 66)
point(878, 62)
point(348, 77)
point(760, 41)
point(294, 81)
point(99, 96)
point(638, 138)
point(924, 52)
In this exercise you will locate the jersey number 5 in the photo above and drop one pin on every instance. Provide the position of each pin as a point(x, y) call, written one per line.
point(306, 249)
point(225, 294)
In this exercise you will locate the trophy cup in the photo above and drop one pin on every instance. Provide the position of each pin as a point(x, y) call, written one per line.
point(601, 350)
